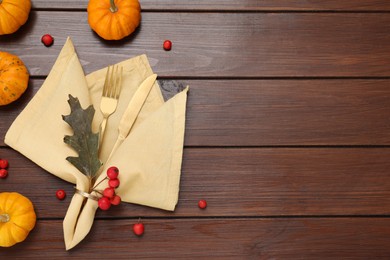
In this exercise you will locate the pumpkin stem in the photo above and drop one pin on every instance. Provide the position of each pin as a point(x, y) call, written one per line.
point(113, 7)
point(4, 217)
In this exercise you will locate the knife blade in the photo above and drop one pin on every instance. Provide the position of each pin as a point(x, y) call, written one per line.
point(133, 109)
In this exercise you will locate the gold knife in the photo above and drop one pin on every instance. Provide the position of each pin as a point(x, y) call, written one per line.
point(133, 109)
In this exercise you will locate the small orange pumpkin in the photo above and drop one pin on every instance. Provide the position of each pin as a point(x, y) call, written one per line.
point(13, 78)
point(13, 14)
point(17, 218)
point(114, 19)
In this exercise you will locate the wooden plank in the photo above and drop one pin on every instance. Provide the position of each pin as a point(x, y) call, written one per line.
point(232, 5)
point(211, 44)
point(243, 182)
point(273, 112)
point(292, 238)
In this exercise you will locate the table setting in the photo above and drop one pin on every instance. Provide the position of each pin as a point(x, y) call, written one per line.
point(128, 97)
point(30, 130)
point(217, 130)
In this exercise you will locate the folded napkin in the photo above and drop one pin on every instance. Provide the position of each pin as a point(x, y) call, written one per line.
point(149, 158)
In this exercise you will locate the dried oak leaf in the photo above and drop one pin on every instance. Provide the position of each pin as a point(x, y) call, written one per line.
point(83, 141)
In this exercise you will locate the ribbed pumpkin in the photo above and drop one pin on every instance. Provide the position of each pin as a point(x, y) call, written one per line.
point(13, 78)
point(13, 14)
point(114, 19)
point(17, 218)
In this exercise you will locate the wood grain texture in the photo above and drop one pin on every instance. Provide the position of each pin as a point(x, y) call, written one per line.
point(273, 112)
point(243, 182)
point(233, 5)
point(292, 238)
point(221, 44)
point(287, 131)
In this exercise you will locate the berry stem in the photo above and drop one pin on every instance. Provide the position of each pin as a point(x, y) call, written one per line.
point(97, 184)
point(98, 191)
point(4, 218)
point(90, 184)
point(113, 7)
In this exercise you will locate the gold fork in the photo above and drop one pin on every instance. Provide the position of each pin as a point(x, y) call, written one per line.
point(110, 95)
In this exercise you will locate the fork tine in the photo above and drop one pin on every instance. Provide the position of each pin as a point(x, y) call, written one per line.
point(112, 82)
point(106, 83)
point(118, 82)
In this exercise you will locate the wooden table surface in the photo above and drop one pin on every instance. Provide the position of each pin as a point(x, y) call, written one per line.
point(287, 132)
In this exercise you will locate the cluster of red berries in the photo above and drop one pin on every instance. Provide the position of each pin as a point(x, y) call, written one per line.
point(109, 197)
point(3, 168)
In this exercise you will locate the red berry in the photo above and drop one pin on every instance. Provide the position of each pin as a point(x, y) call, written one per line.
point(60, 194)
point(109, 192)
point(47, 40)
point(3, 163)
point(104, 203)
point(138, 229)
point(202, 204)
point(112, 172)
point(116, 200)
point(113, 183)
point(167, 45)
point(3, 173)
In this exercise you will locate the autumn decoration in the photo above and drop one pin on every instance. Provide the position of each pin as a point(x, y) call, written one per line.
point(114, 19)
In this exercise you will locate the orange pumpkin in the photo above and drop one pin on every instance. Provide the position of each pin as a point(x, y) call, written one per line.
point(13, 14)
point(17, 218)
point(13, 78)
point(114, 19)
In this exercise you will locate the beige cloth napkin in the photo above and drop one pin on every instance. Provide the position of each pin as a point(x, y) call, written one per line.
point(149, 159)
